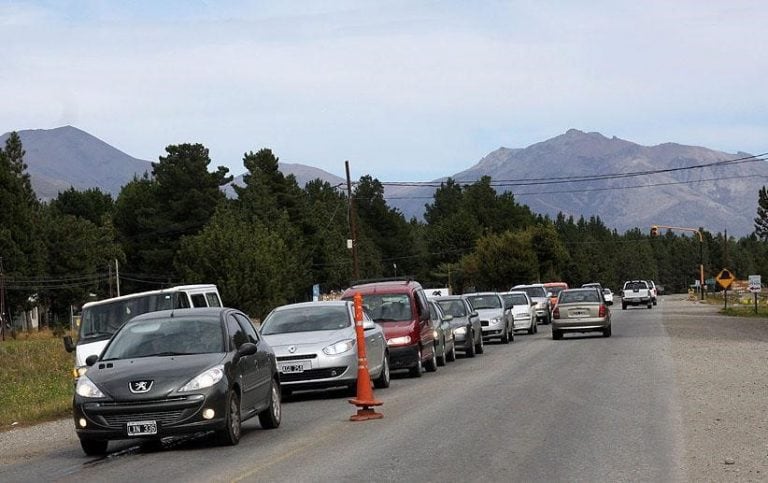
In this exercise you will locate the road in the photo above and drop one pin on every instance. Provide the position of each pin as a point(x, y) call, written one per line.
point(586, 408)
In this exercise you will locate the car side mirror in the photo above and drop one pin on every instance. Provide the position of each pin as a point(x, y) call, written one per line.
point(68, 345)
point(474, 314)
point(368, 324)
point(247, 349)
point(91, 360)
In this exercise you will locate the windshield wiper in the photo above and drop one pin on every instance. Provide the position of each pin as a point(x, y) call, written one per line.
point(96, 334)
point(171, 353)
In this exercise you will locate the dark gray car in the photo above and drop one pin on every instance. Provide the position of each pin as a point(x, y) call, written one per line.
point(467, 330)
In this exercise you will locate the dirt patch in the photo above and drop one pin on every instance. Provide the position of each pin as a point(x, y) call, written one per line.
point(722, 371)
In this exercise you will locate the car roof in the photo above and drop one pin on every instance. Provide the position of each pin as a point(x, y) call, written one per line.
point(319, 303)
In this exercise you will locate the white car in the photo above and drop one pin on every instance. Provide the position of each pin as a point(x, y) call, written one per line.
point(608, 296)
point(494, 316)
point(523, 311)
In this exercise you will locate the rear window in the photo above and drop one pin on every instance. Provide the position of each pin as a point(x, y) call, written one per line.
point(515, 299)
point(635, 286)
point(534, 291)
point(579, 296)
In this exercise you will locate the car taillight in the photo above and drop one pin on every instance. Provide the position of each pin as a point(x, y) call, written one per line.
point(601, 312)
point(556, 312)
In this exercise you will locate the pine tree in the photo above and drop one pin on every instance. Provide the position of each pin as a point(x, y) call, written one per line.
point(761, 222)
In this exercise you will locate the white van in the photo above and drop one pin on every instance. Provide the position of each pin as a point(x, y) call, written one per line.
point(102, 318)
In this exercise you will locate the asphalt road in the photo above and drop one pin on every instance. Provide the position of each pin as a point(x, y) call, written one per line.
point(586, 408)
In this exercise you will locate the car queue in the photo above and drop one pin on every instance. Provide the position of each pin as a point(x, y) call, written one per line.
point(207, 369)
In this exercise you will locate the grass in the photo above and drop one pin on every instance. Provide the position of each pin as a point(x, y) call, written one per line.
point(36, 381)
point(745, 310)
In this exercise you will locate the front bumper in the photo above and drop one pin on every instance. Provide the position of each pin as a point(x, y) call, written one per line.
point(108, 420)
point(403, 357)
point(491, 328)
point(322, 370)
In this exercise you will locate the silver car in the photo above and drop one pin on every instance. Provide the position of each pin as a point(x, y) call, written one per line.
point(467, 331)
point(581, 310)
point(538, 293)
point(315, 346)
point(523, 311)
point(495, 317)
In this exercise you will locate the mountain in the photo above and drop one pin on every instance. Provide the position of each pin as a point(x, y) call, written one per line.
point(672, 192)
point(673, 189)
point(60, 158)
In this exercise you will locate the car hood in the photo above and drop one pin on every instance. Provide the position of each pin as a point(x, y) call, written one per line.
point(167, 374)
point(489, 313)
point(398, 329)
point(281, 342)
point(520, 309)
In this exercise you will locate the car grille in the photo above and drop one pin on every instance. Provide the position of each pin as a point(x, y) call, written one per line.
point(298, 357)
point(484, 323)
point(118, 421)
point(312, 374)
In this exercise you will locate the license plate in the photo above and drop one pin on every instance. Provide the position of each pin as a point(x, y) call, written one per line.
point(142, 428)
point(578, 313)
point(292, 368)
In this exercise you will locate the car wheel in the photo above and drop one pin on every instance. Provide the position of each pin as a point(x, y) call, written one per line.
point(607, 331)
point(650, 306)
point(535, 327)
point(623, 306)
point(480, 347)
point(505, 335)
point(431, 365)
point(93, 447)
point(532, 328)
point(270, 417)
point(384, 378)
point(470, 350)
point(230, 435)
point(416, 370)
point(654, 301)
point(451, 356)
point(441, 357)
point(556, 334)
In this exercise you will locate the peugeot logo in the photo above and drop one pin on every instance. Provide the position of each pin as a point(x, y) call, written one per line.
point(140, 387)
point(292, 349)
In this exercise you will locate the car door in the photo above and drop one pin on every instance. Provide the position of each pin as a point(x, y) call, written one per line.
point(256, 369)
point(374, 345)
point(474, 321)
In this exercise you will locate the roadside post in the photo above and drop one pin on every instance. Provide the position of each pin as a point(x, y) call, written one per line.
point(364, 400)
point(755, 286)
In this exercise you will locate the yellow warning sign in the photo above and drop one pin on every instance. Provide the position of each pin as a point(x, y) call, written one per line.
point(725, 278)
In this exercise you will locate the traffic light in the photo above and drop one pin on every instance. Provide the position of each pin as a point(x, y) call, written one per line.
point(654, 231)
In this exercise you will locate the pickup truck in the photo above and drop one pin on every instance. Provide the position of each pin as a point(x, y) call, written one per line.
point(636, 292)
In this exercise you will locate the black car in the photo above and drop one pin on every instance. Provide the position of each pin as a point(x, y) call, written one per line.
point(177, 372)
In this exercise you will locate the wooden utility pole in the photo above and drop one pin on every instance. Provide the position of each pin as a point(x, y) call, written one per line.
point(2, 300)
point(352, 226)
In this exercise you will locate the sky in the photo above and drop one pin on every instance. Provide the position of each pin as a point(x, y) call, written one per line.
point(404, 90)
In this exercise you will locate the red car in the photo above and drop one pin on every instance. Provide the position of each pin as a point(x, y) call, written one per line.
point(400, 307)
point(555, 288)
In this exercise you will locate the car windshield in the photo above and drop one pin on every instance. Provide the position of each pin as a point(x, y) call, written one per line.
point(555, 290)
point(484, 301)
point(388, 307)
point(579, 296)
point(453, 307)
point(168, 336)
point(515, 299)
point(306, 319)
point(534, 291)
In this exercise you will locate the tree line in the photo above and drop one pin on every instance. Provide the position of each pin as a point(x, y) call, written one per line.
point(273, 240)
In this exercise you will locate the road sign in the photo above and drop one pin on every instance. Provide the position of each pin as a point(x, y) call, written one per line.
point(725, 278)
point(755, 285)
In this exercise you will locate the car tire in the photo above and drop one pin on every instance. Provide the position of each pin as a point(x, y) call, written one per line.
point(451, 356)
point(556, 334)
point(654, 301)
point(431, 365)
point(480, 346)
point(607, 331)
point(416, 370)
point(532, 328)
point(650, 306)
point(230, 435)
point(94, 447)
point(470, 350)
point(270, 417)
point(505, 335)
point(441, 357)
point(384, 378)
point(623, 306)
point(535, 327)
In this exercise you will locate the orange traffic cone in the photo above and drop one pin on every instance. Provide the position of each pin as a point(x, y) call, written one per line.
point(364, 400)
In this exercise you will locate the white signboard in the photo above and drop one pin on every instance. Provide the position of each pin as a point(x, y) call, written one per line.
point(755, 285)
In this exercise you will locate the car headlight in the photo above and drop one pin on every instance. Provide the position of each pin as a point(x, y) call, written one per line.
point(340, 347)
point(496, 320)
point(79, 371)
point(460, 331)
point(404, 340)
point(86, 388)
point(205, 379)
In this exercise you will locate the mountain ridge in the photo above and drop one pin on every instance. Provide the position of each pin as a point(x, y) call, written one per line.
point(714, 197)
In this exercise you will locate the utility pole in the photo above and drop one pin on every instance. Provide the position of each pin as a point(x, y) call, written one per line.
point(2, 299)
point(352, 226)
